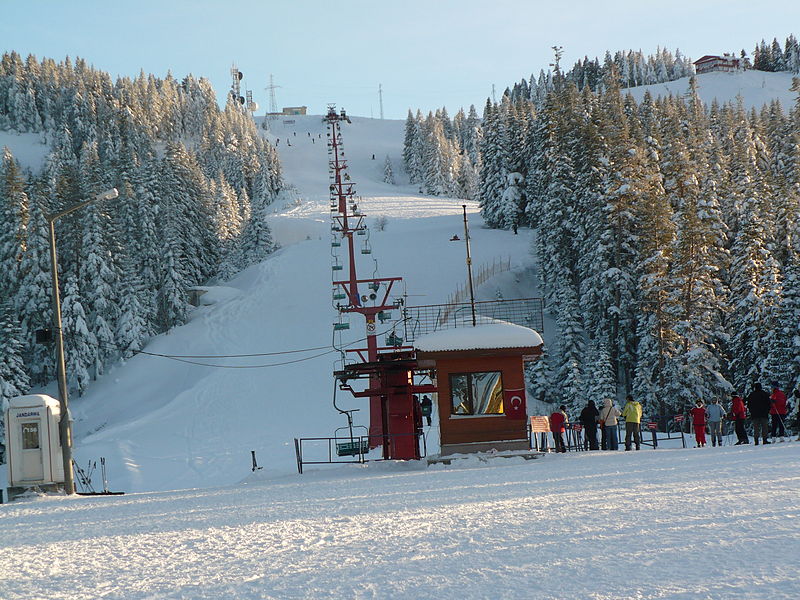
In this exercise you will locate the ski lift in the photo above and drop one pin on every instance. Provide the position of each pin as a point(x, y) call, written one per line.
point(394, 340)
point(374, 286)
point(336, 243)
point(366, 248)
point(347, 442)
point(341, 325)
point(361, 231)
point(336, 266)
point(384, 316)
point(339, 295)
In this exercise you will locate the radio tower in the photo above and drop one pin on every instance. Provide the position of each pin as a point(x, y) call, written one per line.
point(380, 98)
point(273, 104)
point(236, 89)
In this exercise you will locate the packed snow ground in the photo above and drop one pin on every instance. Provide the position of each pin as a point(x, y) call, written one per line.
point(706, 523)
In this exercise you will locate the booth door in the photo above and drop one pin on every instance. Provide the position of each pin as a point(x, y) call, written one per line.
point(32, 464)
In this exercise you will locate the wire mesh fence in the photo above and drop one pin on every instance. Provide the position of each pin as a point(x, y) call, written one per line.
point(422, 320)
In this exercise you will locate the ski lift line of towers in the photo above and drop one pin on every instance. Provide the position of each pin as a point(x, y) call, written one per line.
point(347, 221)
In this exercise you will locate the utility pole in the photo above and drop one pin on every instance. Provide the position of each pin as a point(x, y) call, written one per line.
point(273, 104)
point(380, 98)
point(64, 428)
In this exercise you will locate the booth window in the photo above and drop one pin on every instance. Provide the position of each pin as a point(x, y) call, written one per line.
point(476, 393)
point(30, 436)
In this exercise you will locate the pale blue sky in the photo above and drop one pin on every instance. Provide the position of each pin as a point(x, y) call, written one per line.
point(425, 53)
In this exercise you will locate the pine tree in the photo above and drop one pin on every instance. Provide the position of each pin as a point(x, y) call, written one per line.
point(388, 173)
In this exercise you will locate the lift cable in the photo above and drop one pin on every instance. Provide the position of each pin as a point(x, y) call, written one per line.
point(330, 349)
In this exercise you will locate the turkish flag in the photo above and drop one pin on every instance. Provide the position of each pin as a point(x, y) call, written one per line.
point(514, 404)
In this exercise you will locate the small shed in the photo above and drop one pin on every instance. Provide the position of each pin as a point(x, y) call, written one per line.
point(480, 383)
point(33, 445)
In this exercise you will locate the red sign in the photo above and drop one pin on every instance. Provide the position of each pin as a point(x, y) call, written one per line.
point(652, 426)
point(678, 418)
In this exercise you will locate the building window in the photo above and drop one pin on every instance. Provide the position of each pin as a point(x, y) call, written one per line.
point(476, 393)
point(30, 436)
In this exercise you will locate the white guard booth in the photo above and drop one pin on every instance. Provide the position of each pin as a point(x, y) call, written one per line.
point(33, 448)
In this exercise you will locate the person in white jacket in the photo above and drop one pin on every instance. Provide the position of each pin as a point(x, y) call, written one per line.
point(715, 414)
point(608, 421)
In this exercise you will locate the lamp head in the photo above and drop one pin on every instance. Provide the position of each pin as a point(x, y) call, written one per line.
point(108, 194)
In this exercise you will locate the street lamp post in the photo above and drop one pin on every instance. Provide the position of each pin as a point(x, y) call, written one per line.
point(64, 429)
point(469, 265)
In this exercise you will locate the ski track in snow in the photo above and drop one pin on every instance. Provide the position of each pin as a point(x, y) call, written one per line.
point(666, 524)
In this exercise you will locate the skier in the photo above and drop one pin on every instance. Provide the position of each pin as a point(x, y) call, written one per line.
point(608, 421)
point(589, 417)
point(632, 411)
point(699, 423)
point(558, 422)
point(739, 414)
point(715, 415)
point(777, 411)
point(759, 404)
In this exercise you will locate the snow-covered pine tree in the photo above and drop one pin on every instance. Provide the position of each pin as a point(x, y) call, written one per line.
point(80, 344)
point(388, 173)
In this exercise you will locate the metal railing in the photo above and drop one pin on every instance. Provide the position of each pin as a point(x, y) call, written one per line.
point(346, 450)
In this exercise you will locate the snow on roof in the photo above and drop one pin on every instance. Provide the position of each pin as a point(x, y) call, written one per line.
point(495, 335)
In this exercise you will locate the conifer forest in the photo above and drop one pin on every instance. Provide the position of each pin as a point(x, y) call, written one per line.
point(194, 182)
point(667, 231)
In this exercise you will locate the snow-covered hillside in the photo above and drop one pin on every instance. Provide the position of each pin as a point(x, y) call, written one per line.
point(667, 523)
point(167, 424)
point(756, 88)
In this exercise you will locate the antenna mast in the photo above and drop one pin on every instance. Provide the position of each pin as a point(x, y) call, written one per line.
point(380, 98)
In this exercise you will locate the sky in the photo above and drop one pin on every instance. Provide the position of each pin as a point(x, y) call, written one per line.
point(424, 53)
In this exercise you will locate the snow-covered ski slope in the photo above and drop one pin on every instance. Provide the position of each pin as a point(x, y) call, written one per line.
point(163, 424)
point(756, 88)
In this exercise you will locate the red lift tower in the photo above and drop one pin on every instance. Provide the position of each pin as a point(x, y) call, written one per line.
point(395, 419)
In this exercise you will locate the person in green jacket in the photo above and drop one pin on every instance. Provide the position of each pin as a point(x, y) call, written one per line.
point(632, 412)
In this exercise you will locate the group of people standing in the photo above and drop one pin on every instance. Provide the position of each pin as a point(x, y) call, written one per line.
point(706, 419)
point(606, 420)
point(768, 413)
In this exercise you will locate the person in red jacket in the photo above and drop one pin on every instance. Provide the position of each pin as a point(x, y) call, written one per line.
point(558, 422)
point(739, 414)
point(777, 412)
point(699, 422)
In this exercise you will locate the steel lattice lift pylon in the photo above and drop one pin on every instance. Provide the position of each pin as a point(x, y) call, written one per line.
point(395, 419)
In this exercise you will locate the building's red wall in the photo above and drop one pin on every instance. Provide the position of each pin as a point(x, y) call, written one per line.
point(463, 430)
